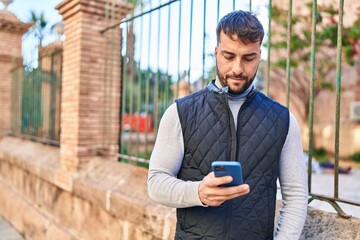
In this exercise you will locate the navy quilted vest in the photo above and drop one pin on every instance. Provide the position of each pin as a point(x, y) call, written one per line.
point(209, 134)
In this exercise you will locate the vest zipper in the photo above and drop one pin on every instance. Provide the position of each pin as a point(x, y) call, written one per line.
point(232, 153)
point(228, 216)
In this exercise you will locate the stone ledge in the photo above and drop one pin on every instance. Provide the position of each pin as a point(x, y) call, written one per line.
point(322, 225)
point(119, 189)
point(39, 159)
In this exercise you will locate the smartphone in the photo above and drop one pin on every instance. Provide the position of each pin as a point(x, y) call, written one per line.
point(228, 168)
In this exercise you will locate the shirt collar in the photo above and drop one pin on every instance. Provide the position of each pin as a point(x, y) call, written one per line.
point(215, 86)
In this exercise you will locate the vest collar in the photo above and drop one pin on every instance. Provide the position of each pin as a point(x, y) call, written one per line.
point(215, 87)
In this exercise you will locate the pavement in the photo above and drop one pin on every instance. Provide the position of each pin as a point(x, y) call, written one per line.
point(8, 232)
point(349, 189)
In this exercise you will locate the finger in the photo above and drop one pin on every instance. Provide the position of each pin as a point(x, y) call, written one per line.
point(221, 193)
point(213, 181)
point(215, 203)
point(227, 197)
point(219, 199)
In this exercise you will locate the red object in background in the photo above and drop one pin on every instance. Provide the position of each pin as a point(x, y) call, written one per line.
point(134, 118)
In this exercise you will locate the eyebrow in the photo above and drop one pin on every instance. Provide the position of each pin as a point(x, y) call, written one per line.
point(245, 55)
point(250, 54)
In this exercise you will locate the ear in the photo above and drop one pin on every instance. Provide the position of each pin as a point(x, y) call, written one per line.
point(260, 55)
point(216, 51)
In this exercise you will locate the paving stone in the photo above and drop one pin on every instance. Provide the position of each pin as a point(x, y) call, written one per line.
point(7, 232)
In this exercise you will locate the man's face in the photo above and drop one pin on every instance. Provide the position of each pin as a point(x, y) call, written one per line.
point(236, 62)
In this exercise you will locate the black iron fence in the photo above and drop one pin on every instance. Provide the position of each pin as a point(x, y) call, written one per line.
point(35, 103)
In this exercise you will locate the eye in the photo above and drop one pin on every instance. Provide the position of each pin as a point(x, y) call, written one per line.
point(228, 57)
point(249, 59)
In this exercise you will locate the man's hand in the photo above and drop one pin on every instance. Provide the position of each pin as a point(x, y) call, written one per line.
point(211, 194)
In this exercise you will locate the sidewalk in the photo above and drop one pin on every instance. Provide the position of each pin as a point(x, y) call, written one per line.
point(7, 232)
point(349, 189)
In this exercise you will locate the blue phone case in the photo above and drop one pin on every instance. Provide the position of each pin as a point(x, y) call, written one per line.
point(228, 168)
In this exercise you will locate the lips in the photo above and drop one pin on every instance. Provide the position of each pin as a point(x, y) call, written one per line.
point(238, 79)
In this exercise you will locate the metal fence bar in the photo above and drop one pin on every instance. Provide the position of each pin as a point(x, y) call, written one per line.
point(148, 82)
point(269, 49)
point(130, 62)
point(139, 82)
point(178, 50)
point(288, 53)
point(167, 84)
point(338, 96)
point(311, 89)
point(190, 38)
point(333, 199)
point(124, 93)
point(218, 11)
point(203, 43)
point(157, 78)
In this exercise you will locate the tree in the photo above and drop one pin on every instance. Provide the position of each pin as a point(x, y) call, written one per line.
point(325, 45)
point(39, 26)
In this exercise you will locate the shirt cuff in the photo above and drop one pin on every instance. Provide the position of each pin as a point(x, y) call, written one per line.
point(192, 193)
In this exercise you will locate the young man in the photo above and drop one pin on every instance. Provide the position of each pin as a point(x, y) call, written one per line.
point(231, 120)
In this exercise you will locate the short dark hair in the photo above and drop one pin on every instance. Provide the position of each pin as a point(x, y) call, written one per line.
point(243, 24)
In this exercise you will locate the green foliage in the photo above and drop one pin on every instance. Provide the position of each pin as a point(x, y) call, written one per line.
point(320, 154)
point(349, 52)
point(282, 63)
point(326, 85)
point(355, 157)
point(326, 35)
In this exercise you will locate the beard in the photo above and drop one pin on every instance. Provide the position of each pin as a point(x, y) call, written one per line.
point(223, 81)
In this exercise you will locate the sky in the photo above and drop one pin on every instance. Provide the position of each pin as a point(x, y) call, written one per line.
point(22, 8)
point(190, 56)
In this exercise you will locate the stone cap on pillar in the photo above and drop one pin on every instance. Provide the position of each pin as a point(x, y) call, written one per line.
point(10, 23)
point(68, 8)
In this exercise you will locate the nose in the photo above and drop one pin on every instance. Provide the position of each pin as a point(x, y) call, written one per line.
point(237, 68)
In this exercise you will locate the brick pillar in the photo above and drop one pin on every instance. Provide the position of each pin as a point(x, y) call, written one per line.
point(84, 129)
point(11, 31)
